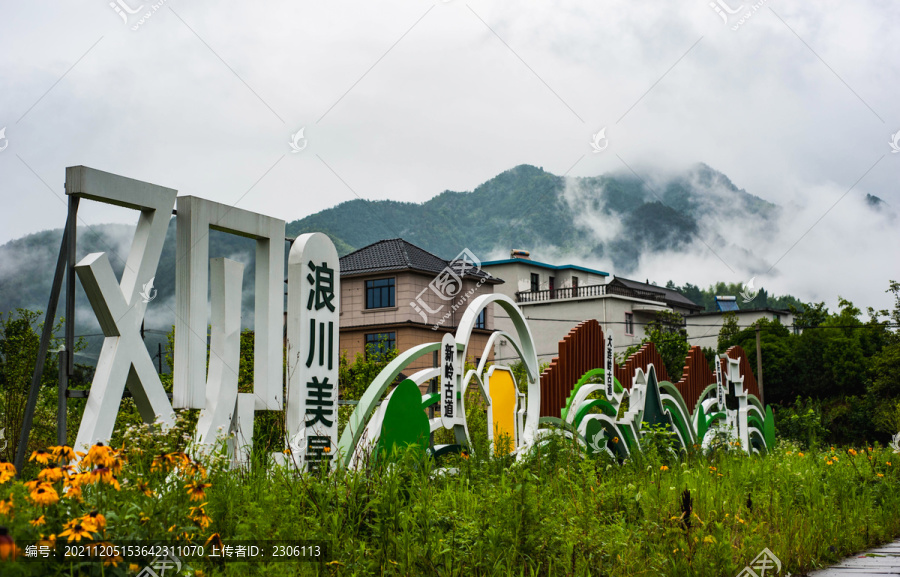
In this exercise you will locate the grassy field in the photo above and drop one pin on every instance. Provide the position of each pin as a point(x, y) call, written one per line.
point(554, 512)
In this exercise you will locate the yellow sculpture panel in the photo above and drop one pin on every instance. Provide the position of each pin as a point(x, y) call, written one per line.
point(501, 387)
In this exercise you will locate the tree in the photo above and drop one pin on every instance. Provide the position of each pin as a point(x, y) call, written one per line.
point(354, 377)
point(729, 331)
point(809, 315)
point(19, 342)
point(667, 333)
point(885, 373)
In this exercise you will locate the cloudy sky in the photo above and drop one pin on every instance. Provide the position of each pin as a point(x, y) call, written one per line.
point(796, 103)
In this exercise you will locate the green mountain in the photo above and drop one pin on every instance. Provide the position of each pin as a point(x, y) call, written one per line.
point(611, 219)
point(526, 207)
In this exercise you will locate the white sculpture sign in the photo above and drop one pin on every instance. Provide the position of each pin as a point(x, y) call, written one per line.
point(314, 301)
point(196, 216)
point(720, 385)
point(450, 402)
point(609, 373)
point(119, 307)
point(313, 349)
point(218, 416)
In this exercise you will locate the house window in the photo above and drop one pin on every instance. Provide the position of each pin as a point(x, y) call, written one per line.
point(535, 282)
point(574, 286)
point(379, 343)
point(380, 293)
point(550, 283)
point(629, 323)
point(480, 322)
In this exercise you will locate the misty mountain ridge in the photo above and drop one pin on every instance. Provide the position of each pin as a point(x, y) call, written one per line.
point(610, 222)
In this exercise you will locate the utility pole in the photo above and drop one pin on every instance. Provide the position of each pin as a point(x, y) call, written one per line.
point(61, 399)
point(759, 373)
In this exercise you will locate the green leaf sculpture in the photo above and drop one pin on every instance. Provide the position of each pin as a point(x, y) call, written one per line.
point(405, 423)
point(702, 423)
point(769, 428)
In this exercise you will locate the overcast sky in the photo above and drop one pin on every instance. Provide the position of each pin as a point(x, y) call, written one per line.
point(403, 100)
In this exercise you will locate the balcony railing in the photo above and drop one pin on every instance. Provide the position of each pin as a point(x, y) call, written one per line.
point(594, 290)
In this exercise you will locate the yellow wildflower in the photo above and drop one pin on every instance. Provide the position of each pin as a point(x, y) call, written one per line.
point(215, 541)
point(95, 519)
point(44, 495)
point(8, 548)
point(73, 493)
point(37, 522)
point(6, 505)
point(48, 541)
point(62, 453)
point(197, 490)
point(7, 472)
point(76, 531)
point(144, 488)
point(41, 456)
point(51, 474)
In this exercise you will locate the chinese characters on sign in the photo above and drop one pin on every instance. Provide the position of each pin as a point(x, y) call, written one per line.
point(313, 313)
point(608, 368)
point(720, 386)
point(449, 378)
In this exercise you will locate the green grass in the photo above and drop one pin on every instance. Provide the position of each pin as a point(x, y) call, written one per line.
point(552, 513)
point(557, 513)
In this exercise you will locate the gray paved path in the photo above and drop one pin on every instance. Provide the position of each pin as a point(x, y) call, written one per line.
point(884, 560)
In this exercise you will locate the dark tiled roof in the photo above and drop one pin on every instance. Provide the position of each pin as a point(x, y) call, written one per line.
point(673, 297)
point(398, 254)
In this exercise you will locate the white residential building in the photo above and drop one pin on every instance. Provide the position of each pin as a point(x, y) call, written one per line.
point(555, 298)
point(703, 327)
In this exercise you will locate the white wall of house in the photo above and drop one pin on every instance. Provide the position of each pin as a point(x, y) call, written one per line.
point(517, 276)
point(550, 321)
point(703, 329)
